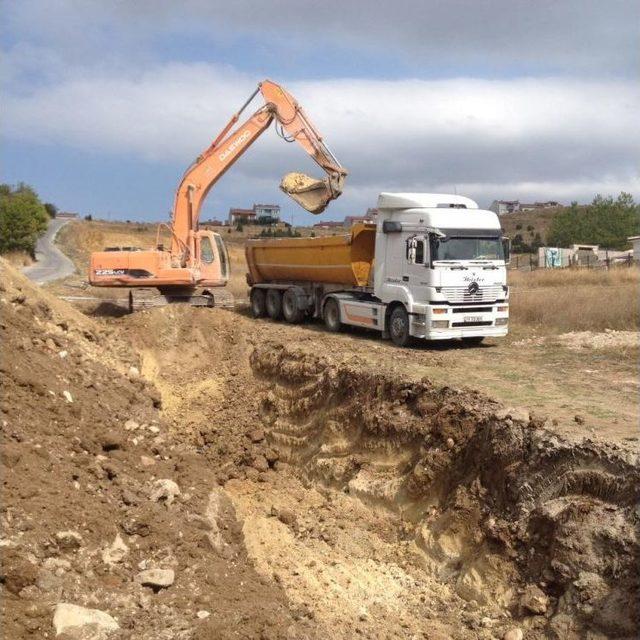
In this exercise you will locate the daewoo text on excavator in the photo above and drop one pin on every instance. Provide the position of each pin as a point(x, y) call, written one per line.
point(197, 261)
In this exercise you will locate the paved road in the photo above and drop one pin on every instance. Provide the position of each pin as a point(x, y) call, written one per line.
point(51, 263)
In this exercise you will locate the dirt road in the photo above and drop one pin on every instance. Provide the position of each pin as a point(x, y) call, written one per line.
point(51, 263)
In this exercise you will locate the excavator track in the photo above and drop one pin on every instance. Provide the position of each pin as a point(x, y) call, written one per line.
point(140, 299)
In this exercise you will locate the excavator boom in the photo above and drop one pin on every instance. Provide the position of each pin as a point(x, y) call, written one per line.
point(292, 125)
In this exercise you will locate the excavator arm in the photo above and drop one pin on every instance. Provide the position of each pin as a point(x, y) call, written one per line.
point(211, 165)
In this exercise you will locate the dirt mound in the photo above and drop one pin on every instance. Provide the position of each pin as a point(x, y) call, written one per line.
point(101, 507)
point(495, 506)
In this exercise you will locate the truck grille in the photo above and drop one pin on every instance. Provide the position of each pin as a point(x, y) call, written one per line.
point(483, 294)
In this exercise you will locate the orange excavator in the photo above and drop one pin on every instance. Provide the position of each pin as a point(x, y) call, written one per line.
point(196, 263)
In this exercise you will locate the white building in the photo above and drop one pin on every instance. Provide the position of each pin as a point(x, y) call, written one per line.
point(635, 241)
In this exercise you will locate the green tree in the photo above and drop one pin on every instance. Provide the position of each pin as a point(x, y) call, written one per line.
point(23, 218)
point(606, 222)
point(51, 209)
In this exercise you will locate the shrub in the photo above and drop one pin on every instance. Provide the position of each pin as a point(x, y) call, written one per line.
point(23, 218)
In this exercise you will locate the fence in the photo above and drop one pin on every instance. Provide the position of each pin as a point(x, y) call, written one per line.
point(531, 262)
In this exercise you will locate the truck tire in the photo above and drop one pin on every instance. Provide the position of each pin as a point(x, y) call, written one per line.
point(331, 315)
point(290, 307)
point(472, 341)
point(257, 301)
point(399, 327)
point(273, 304)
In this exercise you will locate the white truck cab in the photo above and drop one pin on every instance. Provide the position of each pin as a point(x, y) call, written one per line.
point(444, 260)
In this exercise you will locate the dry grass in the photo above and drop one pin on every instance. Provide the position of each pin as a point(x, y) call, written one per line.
point(18, 259)
point(568, 277)
point(576, 299)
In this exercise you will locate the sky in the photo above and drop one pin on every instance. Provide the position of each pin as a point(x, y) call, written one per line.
point(106, 102)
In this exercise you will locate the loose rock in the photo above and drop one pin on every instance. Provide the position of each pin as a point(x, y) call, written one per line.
point(115, 552)
point(156, 578)
point(70, 616)
point(534, 600)
point(165, 490)
point(515, 633)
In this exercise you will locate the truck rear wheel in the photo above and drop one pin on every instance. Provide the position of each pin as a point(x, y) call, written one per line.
point(290, 307)
point(399, 327)
point(257, 301)
point(331, 315)
point(273, 304)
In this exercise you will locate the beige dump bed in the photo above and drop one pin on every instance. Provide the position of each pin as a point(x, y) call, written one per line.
point(345, 259)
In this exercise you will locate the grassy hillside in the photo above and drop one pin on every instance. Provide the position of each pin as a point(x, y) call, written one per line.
point(528, 224)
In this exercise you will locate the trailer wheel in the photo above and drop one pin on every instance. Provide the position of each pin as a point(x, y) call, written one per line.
point(273, 304)
point(257, 301)
point(331, 315)
point(290, 308)
point(399, 327)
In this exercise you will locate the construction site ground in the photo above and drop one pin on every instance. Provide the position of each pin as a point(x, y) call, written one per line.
point(302, 484)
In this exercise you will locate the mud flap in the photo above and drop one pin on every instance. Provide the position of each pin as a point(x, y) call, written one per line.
point(311, 194)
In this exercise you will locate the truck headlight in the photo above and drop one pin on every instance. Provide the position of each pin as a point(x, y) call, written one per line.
point(501, 321)
point(440, 324)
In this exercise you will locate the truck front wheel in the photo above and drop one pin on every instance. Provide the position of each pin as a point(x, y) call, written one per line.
point(331, 315)
point(258, 308)
point(273, 304)
point(399, 327)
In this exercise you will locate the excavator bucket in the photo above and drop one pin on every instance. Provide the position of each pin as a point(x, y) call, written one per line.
point(314, 195)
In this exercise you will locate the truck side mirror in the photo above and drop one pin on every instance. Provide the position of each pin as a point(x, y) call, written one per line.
point(506, 250)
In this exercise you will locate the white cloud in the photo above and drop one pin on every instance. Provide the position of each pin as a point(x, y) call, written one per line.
point(491, 137)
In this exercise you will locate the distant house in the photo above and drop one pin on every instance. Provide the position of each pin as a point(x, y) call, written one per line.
point(349, 221)
point(503, 207)
point(259, 214)
point(328, 224)
point(267, 212)
point(635, 241)
point(67, 215)
point(241, 216)
point(370, 216)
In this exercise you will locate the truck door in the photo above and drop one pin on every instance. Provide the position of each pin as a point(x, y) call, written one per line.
point(415, 267)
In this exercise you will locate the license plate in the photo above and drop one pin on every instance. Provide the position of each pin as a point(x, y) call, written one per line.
point(473, 318)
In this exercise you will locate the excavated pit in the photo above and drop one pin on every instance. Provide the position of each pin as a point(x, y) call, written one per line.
point(502, 510)
point(319, 496)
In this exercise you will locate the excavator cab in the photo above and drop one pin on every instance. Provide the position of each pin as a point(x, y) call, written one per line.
point(212, 258)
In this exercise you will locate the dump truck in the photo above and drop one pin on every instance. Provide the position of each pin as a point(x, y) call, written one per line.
point(431, 267)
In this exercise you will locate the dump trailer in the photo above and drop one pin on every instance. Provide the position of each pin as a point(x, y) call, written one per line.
point(432, 267)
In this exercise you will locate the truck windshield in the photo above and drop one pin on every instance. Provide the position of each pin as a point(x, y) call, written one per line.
point(452, 248)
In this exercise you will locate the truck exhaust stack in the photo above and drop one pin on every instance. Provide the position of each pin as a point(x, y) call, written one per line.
point(311, 194)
